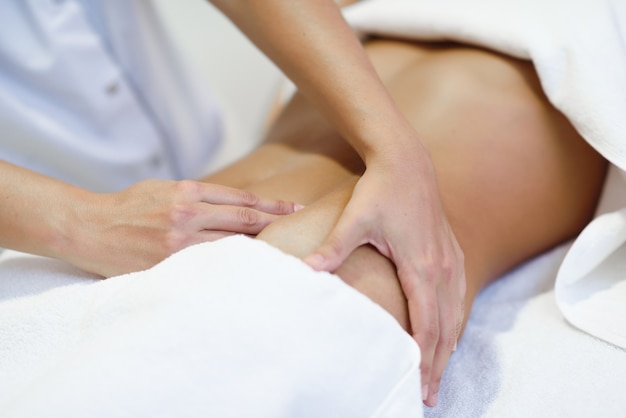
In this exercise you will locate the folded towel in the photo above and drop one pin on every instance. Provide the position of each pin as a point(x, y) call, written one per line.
point(578, 49)
point(233, 328)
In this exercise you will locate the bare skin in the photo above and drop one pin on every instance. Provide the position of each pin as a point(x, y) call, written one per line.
point(515, 178)
point(310, 41)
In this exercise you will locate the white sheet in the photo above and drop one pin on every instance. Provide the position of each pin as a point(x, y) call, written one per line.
point(238, 329)
point(518, 358)
point(579, 51)
point(233, 328)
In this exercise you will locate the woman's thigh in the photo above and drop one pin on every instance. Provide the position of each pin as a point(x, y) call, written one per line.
point(514, 176)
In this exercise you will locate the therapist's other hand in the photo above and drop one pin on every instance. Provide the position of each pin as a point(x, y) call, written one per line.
point(396, 208)
point(136, 228)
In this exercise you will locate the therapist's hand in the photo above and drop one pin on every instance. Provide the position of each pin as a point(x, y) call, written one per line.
point(140, 226)
point(396, 208)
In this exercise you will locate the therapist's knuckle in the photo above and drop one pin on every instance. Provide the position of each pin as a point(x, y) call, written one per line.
point(186, 187)
point(430, 271)
point(283, 207)
point(248, 199)
point(179, 214)
point(430, 332)
point(248, 217)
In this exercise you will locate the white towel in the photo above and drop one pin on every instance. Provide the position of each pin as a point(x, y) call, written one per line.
point(579, 51)
point(152, 345)
point(518, 358)
point(233, 328)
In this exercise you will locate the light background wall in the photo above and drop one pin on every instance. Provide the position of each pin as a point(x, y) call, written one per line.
point(242, 79)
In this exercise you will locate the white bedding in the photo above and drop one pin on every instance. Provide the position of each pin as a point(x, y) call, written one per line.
point(238, 329)
point(519, 357)
point(233, 328)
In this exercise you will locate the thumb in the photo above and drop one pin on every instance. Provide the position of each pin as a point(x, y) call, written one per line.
point(340, 243)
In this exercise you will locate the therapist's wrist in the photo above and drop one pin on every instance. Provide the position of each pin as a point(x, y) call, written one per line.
point(396, 149)
point(68, 224)
point(384, 136)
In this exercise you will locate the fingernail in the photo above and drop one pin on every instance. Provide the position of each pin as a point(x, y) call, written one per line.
point(424, 392)
point(455, 346)
point(297, 207)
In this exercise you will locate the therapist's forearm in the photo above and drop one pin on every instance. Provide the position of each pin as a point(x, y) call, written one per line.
point(314, 46)
point(133, 229)
point(35, 210)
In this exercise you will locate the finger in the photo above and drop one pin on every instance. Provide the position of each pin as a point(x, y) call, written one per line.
point(345, 237)
point(450, 323)
point(421, 296)
point(238, 219)
point(222, 195)
point(277, 207)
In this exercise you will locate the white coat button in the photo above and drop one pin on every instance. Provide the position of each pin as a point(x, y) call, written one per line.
point(112, 88)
